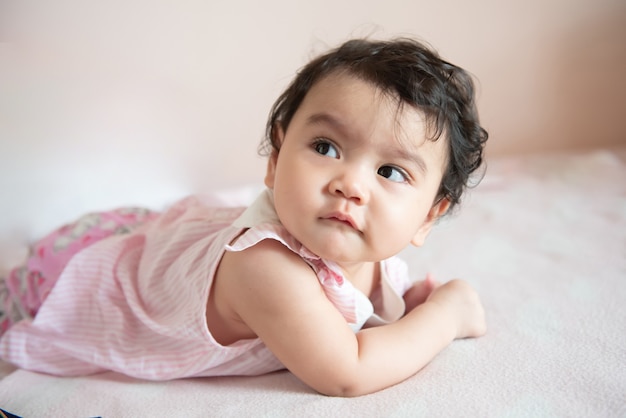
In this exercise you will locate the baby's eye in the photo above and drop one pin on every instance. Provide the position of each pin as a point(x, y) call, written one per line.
point(392, 173)
point(326, 148)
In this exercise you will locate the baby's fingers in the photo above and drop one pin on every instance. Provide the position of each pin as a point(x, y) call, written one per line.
point(431, 282)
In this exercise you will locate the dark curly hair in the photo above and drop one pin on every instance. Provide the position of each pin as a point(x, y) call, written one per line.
point(417, 76)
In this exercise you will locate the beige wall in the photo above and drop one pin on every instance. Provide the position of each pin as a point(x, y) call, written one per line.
point(104, 103)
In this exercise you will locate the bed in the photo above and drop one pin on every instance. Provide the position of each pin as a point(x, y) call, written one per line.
point(542, 238)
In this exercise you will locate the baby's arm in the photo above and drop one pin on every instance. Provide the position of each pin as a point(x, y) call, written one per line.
point(279, 297)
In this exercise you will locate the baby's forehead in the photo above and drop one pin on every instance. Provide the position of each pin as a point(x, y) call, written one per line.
point(386, 94)
point(405, 115)
point(341, 76)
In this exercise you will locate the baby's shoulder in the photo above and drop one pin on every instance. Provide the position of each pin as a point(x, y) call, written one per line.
point(266, 258)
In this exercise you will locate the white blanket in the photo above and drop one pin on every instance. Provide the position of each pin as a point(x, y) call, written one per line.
point(543, 239)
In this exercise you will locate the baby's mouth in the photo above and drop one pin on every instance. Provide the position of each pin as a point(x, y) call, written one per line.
point(342, 218)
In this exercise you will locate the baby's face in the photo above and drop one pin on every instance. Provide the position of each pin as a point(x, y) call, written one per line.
point(355, 177)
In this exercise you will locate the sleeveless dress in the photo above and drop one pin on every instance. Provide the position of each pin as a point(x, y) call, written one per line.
point(136, 303)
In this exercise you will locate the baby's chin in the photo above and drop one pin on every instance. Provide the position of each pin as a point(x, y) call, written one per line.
point(342, 253)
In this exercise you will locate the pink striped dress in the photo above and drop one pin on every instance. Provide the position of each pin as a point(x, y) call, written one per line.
point(136, 303)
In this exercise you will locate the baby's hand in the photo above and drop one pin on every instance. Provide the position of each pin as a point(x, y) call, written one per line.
point(419, 292)
point(458, 298)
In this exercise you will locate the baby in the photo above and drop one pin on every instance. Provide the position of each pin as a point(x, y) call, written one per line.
point(367, 148)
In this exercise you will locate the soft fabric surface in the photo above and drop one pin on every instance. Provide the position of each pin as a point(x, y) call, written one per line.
point(543, 239)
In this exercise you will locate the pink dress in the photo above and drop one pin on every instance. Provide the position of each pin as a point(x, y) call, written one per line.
point(136, 303)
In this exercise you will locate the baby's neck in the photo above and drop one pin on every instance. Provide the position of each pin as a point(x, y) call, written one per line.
point(364, 276)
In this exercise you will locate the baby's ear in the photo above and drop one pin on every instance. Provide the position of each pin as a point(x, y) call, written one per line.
point(273, 158)
point(436, 212)
point(270, 173)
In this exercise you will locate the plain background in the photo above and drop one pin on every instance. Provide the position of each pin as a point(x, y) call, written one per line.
point(137, 102)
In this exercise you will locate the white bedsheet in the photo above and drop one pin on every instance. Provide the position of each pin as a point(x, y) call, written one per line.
point(543, 239)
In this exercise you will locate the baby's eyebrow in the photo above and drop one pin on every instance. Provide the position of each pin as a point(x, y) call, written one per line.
point(403, 153)
point(326, 118)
